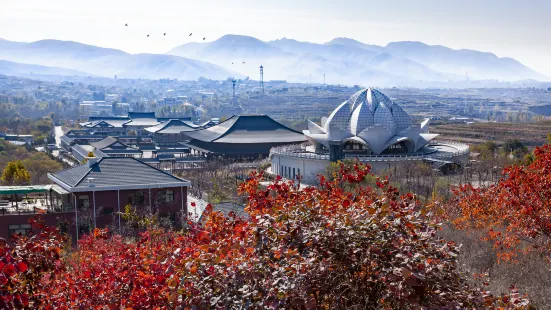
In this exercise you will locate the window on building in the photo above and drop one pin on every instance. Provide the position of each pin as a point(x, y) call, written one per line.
point(21, 229)
point(83, 201)
point(136, 198)
point(169, 196)
point(294, 176)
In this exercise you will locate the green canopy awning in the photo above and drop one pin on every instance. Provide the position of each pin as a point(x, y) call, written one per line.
point(21, 190)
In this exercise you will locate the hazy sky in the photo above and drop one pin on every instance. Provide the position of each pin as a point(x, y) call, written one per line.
point(515, 28)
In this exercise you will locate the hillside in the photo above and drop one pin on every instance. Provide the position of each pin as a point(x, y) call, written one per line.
point(108, 62)
point(347, 61)
point(25, 70)
point(475, 64)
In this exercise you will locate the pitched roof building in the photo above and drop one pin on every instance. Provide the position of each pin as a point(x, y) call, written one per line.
point(242, 135)
point(114, 173)
point(94, 195)
point(110, 146)
point(171, 132)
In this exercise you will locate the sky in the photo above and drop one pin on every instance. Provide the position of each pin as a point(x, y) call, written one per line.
point(520, 29)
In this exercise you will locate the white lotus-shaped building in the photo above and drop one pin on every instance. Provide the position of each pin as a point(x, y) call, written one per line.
point(369, 122)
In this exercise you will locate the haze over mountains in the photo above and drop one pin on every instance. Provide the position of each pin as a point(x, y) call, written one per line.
point(348, 61)
point(342, 60)
point(107, 62)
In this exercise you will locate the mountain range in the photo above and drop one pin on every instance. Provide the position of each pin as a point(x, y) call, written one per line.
point(347, 61)
point(108, 62)
point(339, 61)
point(25, 70)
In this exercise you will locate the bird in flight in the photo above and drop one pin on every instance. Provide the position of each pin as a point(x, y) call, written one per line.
point(190, 34)
point(148, 36)
point(232, 63)
point(204, 38)
point(164, 34)
point(243, 62)
point(126, 25)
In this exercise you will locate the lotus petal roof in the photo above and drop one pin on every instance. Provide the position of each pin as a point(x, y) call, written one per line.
point(371, 118)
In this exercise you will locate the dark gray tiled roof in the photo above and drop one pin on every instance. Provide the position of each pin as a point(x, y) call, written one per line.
point(66, 139)
point(141, 115)
point(143, 122)
point(73, 175)
point(102, 124)
point(173, 126)
point(115, 171)
point(105, 118)
point(214, 132)
point(104, 143)
point(117, 123)
point(248, 129)
point(142, 119)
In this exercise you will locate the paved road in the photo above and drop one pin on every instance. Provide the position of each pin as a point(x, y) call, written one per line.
point(58, 133)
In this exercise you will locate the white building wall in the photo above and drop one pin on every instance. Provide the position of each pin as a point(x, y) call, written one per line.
point(290, 167)
point(309, 168)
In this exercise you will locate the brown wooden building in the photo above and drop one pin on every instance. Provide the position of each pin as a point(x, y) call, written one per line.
point(93, 195)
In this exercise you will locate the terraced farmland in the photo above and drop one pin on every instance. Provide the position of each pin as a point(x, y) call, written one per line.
point(530, 134)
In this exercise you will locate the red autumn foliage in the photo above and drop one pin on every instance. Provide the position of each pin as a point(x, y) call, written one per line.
point(24, 268)
point(339, 246)
point(515, 213)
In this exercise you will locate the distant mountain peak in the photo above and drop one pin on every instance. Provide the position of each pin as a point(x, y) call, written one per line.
point(237, 38)
point(355, 43)
point(339, 40)
point(57, 54)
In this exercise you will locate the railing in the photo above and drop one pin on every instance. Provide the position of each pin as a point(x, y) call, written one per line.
point(5, 211)
point(303, 154)
point(301, 151)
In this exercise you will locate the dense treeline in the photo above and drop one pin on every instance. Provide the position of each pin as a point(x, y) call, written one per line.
point(41, 129)
point(38, 164)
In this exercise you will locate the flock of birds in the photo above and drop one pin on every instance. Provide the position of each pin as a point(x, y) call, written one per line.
point(164, 34)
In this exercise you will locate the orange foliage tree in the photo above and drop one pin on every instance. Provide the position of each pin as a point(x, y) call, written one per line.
point(337, 246)
point(515, 213)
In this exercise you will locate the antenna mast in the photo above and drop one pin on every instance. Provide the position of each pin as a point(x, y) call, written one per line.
point(233, 85)
point(262, 78)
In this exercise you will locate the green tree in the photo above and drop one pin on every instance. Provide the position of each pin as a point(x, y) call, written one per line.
point(39, 164)
point(16, 174)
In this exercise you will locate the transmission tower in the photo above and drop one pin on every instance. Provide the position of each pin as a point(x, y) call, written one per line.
point(234, 101)
point(262, 78)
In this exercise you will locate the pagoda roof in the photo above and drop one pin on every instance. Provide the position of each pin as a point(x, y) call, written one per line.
point(247, 129)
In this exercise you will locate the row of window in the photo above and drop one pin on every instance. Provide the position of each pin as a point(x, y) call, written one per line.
point(288, 172)
point(135, 199)
point(21, 229)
